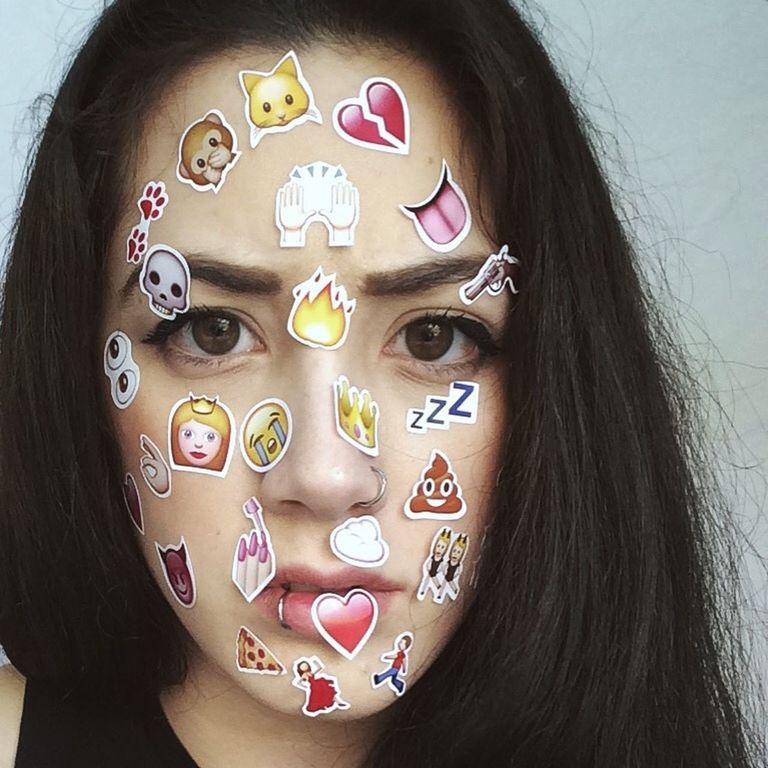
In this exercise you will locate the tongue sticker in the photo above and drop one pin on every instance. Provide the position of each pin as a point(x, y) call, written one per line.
point(377, 119)
point(346, 623)
point(443, 220)
point(253, 564)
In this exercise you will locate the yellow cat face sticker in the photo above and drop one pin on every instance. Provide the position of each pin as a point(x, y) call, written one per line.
point(278, 100)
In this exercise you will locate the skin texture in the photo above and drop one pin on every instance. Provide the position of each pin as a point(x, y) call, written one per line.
point(321, 478)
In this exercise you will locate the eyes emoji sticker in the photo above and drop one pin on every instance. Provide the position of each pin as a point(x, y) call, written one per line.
point(357, 416)
point(278, 100)
point(437, 495)
point(120, 369)
point(266, 434)
point(207, 152)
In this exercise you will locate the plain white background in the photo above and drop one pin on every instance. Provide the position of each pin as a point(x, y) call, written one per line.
point(678, 94)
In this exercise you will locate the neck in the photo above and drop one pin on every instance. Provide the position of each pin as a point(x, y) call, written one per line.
point(220, 724)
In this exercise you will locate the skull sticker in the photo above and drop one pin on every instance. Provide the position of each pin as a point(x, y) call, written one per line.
point(165, 280)
point(121, 369)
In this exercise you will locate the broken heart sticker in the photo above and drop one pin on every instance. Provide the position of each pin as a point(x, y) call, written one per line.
point(377, 119)
point(346, 623)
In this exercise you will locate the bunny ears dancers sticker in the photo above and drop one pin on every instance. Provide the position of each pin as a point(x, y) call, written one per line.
point(442, 568)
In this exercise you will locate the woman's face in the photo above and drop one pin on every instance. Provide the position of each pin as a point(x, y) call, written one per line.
point(290, 354)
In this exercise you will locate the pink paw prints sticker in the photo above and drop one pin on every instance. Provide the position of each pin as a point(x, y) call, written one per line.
point(151, 205)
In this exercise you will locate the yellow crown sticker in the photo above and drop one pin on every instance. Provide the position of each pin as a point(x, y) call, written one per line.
point(357, 416)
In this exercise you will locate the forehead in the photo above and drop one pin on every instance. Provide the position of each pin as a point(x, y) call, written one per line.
point(238, 221)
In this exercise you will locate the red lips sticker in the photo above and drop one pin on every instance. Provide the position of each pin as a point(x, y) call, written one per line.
point(346, 623)
point(377, 119)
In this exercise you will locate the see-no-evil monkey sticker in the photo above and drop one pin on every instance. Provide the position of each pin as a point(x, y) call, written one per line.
point(459, 407)
point(207, 152)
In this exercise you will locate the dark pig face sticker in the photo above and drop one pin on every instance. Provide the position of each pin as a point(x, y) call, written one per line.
point(177, 568)
point(437, 495)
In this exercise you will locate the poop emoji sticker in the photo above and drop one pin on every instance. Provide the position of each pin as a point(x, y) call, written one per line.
point(151, 205)
point(278, 100)
point(253, 564)
point(442, 569)
point(121, 370)
point(437, 495)
point(133, 502)
point(266, 434)
point(358, 541)
point(254, 657)
point(443, 220)
point(346, 623)
point(321, 312)
point(397, 665)
point(207, 152)
point(165, 281)
point(317, 192)
point(357, 416)
point(377, 119)
point(200, 431)
point(321, 692)
point(177, 568)
point(498, 270)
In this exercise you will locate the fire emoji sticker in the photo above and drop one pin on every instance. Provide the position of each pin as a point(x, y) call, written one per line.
point(321, 310)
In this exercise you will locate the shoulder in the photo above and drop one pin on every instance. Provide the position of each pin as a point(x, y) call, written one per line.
point(12, 686)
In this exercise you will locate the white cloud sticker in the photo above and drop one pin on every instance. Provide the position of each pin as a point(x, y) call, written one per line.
point(358, 541)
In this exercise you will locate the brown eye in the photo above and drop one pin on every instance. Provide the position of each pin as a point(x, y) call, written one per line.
point(215, 335)
point(266, 106)
point(122, 383)
point(200, 163)
point(213, 142)
point(289, 99)
point(429, 339)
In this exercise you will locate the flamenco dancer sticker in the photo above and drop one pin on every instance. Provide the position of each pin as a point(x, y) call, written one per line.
point(321, 692)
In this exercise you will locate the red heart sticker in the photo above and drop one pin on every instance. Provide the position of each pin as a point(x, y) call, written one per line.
point(377, 119)
point(346, 623)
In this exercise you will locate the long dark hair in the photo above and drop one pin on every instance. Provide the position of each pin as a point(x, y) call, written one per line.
point(601, 631)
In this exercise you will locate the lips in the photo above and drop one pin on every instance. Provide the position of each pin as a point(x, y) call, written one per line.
point(199, 455)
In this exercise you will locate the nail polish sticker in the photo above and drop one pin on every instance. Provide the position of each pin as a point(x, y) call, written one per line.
point(321, 691)
point(278, 100)
point(253, 564)
point(133, 502)
point(358, 541)
point(207, 153)
point(317, 192)
point(321, 312)
point(121, 369)
point(151, 205)
point(459, 407)
point(397, 665)
point(177, 569)
point(254, 657)
point(346, 623)
point(498, 270)
point(437, 495)
point(200, 432)
point(154, 469)
point(266, 434)
point(442, 568)
point(357, 416)
point(443, 220)
point(377, 119)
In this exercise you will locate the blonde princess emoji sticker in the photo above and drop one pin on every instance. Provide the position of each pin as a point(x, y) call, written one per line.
point(321, 692)
point(437, 494)
point(253, 564)
point(278, 100)
point(200, 432)
point(357, 416)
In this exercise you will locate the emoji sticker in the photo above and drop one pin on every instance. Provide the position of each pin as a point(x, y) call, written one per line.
point(121, 369)
point(442, 569)
point(133, 502)
point(358, 541)
point(345, 623)
point(321, 692)
point(377, 119)
point(151, 205)
point(254, 657)
point(177, 568)
point(357, 416)
point(207, 152)
point(397, 661)
point(321, 311)
point(266, 434)
point(165, 281)
point(459, 407)
point(437, 495)
point(443, 220)
point(200, 431)
point(154, 470)
point(278, 100)
point(498, 270)
point(253, 565)
point(317, 192)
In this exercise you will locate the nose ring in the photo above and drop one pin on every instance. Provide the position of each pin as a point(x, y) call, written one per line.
point(380, 493)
